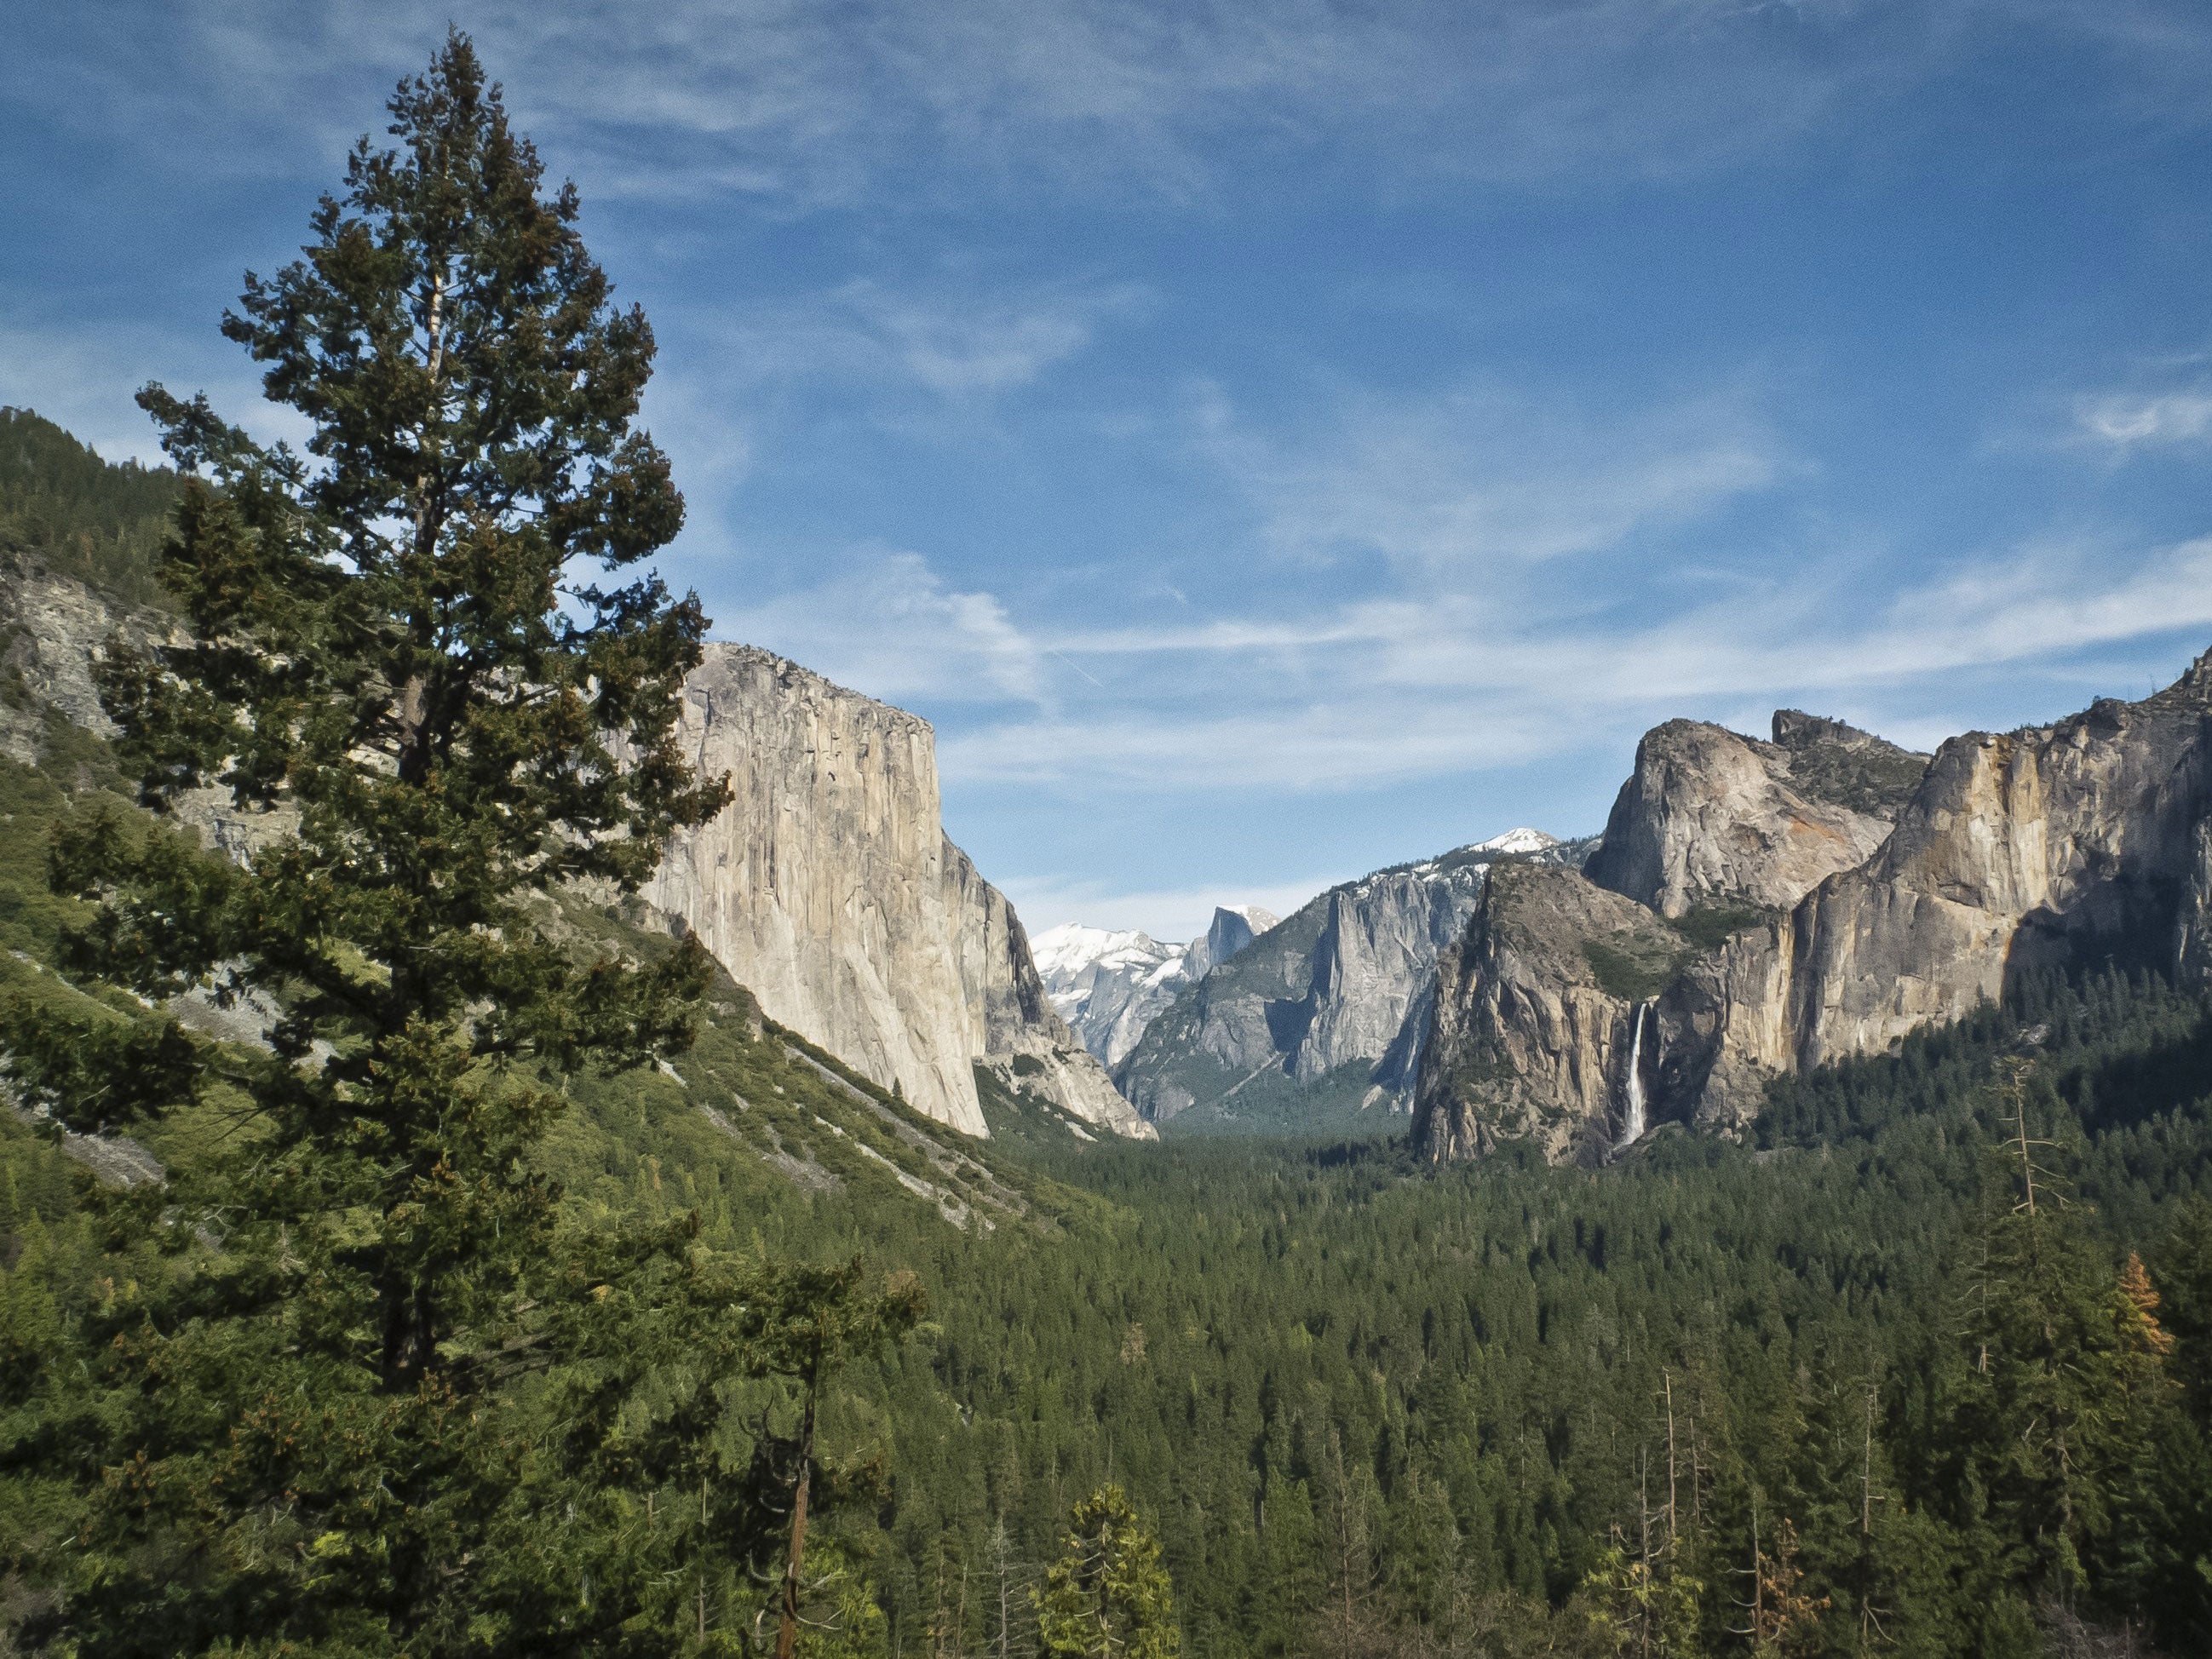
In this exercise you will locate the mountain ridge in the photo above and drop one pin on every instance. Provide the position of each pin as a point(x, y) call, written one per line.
point(1758, 910)
point(1308, 1028)
point(1110, 984)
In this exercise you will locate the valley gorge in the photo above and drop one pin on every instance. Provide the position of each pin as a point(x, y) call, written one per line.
point(560, 1097)
point(1754, 908)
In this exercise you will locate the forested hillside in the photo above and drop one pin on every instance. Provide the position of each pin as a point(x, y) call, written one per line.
point(77, 515)
point(1371, 1406)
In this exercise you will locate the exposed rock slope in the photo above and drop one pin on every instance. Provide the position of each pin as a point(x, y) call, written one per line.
point(2086, 837)
point(1535, 1015)
point(2081, 840)
point(1324, 1014)
point(50, 626)
point(828, 889)
point(1012, 1025)
point(1710, 818)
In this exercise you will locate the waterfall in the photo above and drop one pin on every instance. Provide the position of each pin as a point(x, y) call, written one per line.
point(1632, 1125)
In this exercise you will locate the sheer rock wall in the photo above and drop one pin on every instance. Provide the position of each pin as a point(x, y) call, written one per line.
point(2086, 840)
point(828, 889)
point(1332, 1004)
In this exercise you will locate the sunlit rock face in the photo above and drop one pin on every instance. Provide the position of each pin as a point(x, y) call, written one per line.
point(828, 889)
point(2087, 837)
point(1762, 945)
point(1530, 1033)
point(1013, 1027)
point(1322, 1016)
point(1110, 984)
point(1711, 818)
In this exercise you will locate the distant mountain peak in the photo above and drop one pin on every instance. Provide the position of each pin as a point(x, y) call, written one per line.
point(1107, 982)
point(1071, 947)
point(1524, 840)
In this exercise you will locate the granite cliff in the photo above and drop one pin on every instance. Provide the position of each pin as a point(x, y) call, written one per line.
point(828, 889)
point(1758, 908)
point(1322, 1016)
point(1710, 818)
point(1012, 1027)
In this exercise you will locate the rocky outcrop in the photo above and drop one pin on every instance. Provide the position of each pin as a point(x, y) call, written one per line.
point(1109, 986)
point(1323, 1015)
point(49, 627)
point(1537, 1013)
point(1013, 1027)
point(2085, 840)
point(1233, 927)
point(52, 629)
point(1713, 818)
point(821, 887)
point(2081, 839)
point(829, 891)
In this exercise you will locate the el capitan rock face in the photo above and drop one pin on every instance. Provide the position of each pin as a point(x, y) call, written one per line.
point(828, 889)
point(2085, 840)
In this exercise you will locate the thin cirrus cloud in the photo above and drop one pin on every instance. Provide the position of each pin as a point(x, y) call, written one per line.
point(1482, 474)
point(820, 104)
point(1485, 633)
point(2126, 421)
point(1519, 696)
point(889, 625)
point(960, 342)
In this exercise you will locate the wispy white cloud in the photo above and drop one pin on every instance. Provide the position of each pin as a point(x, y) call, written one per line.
point(2131, 420)
point(1489, 697)
point(1476, 476)
point(886, 624)
point(810, 105)
point(1170, 914)
point(965, 341)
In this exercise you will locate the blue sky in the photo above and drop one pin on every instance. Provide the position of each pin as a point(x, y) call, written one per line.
point(1276, 440)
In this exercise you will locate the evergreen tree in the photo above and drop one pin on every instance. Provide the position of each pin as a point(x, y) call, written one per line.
point(805, 1324)
point(1009, 1616)
point(2066, 1371)
point(365, 1391)
point(1107, 1596)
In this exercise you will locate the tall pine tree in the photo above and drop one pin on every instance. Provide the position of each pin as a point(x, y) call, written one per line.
point(364, 1391)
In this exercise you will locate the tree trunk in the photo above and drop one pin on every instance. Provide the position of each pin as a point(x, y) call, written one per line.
point(787, 1633)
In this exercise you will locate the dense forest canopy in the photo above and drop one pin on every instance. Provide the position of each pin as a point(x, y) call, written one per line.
point(1923, 1368)
point(77, 515)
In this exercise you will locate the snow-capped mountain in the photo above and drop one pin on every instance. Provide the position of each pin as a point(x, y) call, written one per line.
point(1517, 841)
point(1109, 983)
